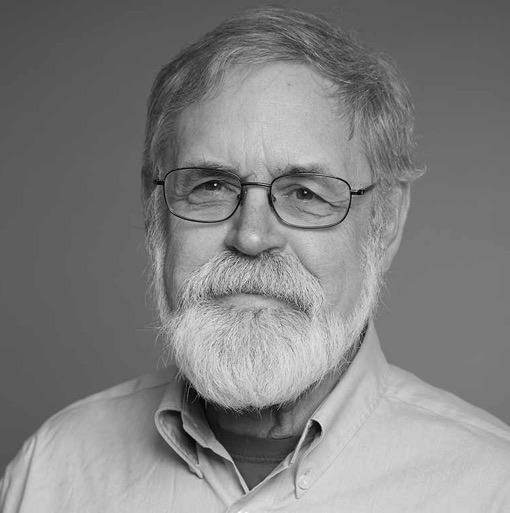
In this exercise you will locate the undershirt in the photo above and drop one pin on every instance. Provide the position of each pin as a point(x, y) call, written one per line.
point(255, 457)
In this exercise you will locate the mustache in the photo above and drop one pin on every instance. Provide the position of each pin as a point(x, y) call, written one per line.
point(277, 276)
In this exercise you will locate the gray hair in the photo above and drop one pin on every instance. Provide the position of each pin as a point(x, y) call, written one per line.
point(371, 94)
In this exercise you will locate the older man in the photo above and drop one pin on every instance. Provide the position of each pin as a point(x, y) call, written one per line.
point(276, 186)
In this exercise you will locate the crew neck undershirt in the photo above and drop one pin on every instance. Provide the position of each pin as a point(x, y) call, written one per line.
point(255, 457)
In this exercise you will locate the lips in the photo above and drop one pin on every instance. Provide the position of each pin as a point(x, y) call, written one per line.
point(244, 298)
point(274, 277)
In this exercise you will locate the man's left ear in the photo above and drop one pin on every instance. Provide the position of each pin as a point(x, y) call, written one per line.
point(398, 206)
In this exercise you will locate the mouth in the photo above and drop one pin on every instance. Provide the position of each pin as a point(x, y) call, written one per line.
point(248, 300)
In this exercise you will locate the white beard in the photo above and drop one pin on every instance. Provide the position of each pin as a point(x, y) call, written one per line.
point(250, 358)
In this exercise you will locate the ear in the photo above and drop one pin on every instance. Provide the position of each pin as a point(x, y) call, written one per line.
point(396, 215)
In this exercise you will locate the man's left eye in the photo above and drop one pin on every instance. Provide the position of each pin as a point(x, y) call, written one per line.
point(211, 186)
point(306, 195)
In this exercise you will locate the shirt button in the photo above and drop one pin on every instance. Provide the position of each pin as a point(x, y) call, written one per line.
point(304, 481)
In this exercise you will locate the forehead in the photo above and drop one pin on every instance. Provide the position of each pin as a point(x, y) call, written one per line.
point(267, 121)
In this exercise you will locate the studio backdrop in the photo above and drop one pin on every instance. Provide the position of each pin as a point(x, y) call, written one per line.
point(74, 315)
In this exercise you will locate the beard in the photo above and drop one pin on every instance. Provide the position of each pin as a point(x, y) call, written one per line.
point(247, 358)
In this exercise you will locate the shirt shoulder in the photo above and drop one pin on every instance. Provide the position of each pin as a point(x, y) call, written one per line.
point(92, 435)
point(436, 445)
point(460, 444)
point(148, 383)
point(122, 404)
point(426, 400)
point(108, 412)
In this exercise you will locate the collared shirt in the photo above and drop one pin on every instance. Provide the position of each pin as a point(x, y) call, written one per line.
point(382, 441)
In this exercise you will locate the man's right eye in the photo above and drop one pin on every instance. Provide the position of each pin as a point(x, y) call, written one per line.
point(213, 189)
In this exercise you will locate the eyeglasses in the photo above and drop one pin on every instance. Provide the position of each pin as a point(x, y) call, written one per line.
point(302, 200)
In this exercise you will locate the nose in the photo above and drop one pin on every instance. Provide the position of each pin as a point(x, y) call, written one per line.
point(254, 227)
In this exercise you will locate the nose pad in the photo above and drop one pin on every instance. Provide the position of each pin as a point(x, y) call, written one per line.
point(242, 195)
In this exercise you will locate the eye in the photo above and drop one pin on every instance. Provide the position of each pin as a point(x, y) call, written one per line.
point(212, 189)
point(212, 185)
point(305, 194)
point(301, 194)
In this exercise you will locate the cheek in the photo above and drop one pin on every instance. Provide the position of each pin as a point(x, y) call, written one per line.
point(335, 259)
point(189, 246)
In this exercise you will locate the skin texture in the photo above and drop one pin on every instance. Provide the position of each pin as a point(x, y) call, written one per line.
point(263, 124)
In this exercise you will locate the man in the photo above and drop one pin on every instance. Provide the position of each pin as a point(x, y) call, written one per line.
point(276, 187)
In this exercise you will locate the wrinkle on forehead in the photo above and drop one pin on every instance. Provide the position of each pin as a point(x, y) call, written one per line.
point(270, 118)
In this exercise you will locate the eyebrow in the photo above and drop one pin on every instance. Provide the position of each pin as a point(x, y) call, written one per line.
point(207, 164)
point(314, 169)
point(290, 169)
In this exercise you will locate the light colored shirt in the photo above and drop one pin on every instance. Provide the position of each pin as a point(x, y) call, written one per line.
point(383, 441)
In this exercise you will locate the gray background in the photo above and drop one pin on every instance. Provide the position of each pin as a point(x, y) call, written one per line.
point(74, 79)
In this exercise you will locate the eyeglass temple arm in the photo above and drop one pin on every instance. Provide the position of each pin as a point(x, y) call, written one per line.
point(361, 192)
point(158, 182)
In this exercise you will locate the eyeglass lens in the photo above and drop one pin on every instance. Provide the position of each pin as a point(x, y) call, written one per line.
point(304, 200)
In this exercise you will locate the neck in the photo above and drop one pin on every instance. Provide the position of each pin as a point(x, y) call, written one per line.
point(280, 421)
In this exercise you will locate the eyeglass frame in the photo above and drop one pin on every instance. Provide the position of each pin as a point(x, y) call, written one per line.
point(352, 192)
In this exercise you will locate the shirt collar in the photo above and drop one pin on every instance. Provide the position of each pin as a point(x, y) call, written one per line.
point(176, 423)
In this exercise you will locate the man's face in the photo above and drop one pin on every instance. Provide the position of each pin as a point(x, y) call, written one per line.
point(260, 126)
point(250, 345)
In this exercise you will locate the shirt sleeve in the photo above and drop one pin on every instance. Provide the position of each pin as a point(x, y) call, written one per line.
point(13, 483)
